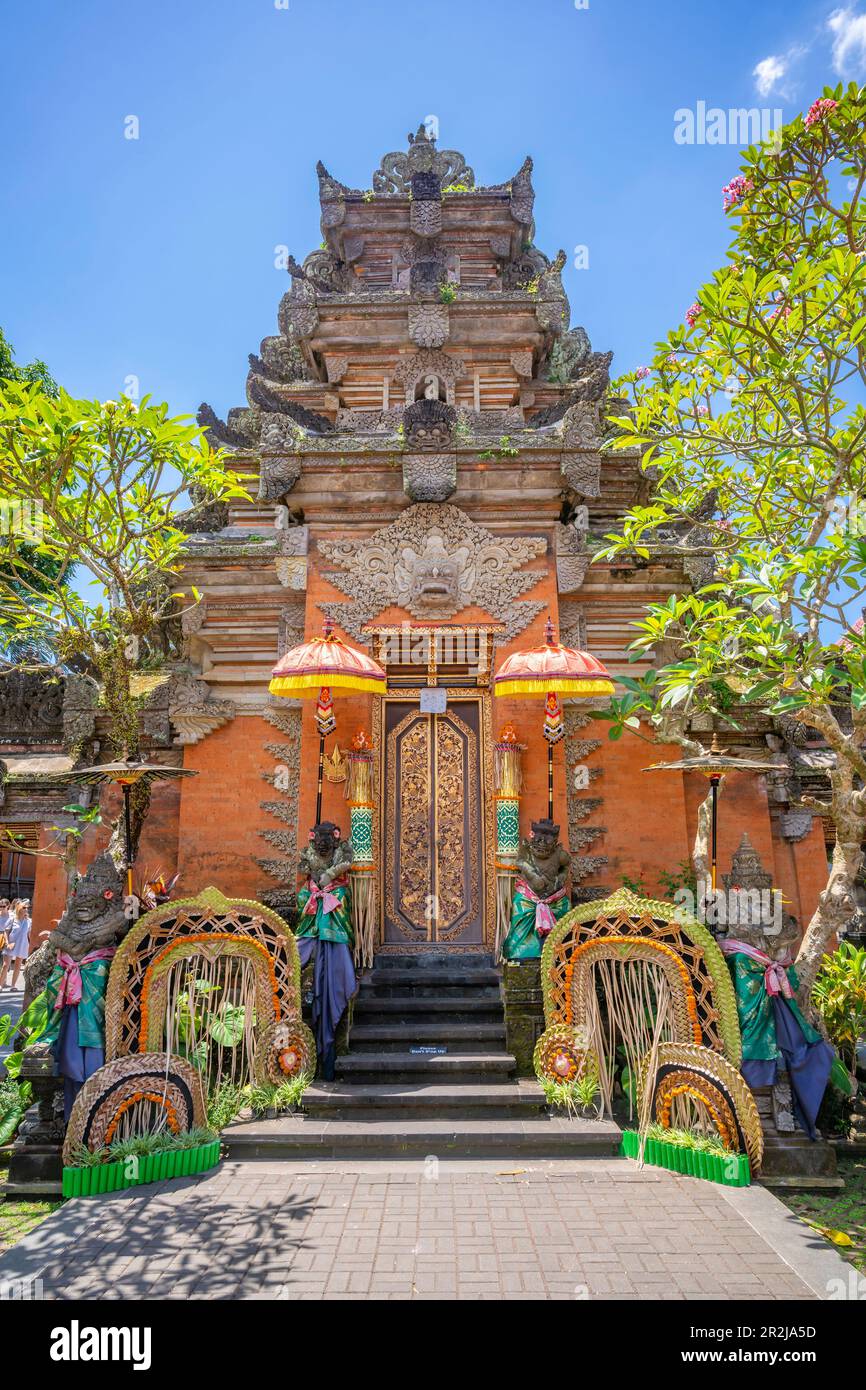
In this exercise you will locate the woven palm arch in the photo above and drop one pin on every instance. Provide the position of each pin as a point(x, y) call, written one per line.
point(182, 966)
point(669, 1000)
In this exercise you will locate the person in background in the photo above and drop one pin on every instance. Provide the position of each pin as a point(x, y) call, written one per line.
point(18, 946)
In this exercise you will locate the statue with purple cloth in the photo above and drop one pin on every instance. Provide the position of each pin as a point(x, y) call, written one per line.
point(540, 896)
point(324, 931)
point(74, 964)
point(777, 1038)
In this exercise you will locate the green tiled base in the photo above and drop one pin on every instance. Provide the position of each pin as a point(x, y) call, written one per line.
point(732, 1169)
point(111, 1177)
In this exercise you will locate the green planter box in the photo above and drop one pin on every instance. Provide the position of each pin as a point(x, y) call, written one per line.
point(110, 1177)
point(732, 1169)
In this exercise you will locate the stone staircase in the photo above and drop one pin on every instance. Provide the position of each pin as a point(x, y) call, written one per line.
point(427, 1073)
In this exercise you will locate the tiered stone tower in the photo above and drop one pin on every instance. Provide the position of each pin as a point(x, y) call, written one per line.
point(422, 436)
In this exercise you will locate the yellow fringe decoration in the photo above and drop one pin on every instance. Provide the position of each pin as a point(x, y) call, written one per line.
point(563, 687)
point(309, 685)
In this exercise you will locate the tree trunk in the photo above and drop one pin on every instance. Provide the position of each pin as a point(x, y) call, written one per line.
point(701, 849)
point(836, 904)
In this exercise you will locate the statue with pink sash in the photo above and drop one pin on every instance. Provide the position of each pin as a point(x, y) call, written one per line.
point(324, 933)
point(777, 1038)
point(540, 895)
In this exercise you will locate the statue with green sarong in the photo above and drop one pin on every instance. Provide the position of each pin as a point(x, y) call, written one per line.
point(325, 935)
point(540, 896)
point(324, 901)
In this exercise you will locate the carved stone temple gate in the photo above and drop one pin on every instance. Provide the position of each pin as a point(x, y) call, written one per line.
point(436, 830)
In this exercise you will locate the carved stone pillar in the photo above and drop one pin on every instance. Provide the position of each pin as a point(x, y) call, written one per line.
point(36, 1167)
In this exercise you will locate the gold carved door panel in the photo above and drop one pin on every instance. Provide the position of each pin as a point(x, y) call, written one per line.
point(433, 825)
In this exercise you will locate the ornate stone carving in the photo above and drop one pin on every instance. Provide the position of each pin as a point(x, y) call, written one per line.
point(292, 571)
point(552, 314)
point(795, 825)
point(80, 698)
point(582, 473)
point(299, 316)
point(281, 360)
point(428, 324)
point(291, 631)
point(580, 428)
point(204, 518)
point(572, 624)
point(260, 394)
point(193, 710)
point(31, 707)
point(323, 271)
point(434, 561)
point(580, 808)
point(285, 779)
point(493, 421)
point(193, 619)
point(280, 461)
point(523, 194)
point(221, 435)
point(394, 174)
point(332, 199)
point(370, 421)
point(572, 558)
point(429, 477)
point(337, 367)
point(277, 477)
point(522, 363)
point(570, 352)
point(429, 425)
point(521, 271)
point(425, 218)
point(411, 369)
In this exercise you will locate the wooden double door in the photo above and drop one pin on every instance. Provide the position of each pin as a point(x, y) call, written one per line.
point(433, 824)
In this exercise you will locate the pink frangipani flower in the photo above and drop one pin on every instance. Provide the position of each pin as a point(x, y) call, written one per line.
point(735, 190)
point(818, 110)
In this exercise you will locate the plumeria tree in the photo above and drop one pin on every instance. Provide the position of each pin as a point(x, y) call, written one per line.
point(98, 487)
point(751, 423)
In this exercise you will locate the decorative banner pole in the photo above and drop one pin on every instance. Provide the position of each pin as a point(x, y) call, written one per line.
point(318, 667)
point(359, 794)
point(125, 773)
point(508, 781)
point(553, 671)
point(714, 764)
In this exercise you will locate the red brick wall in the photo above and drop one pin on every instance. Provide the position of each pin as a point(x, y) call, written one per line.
point(220, 812)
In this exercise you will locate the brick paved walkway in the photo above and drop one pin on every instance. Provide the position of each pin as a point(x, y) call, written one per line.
point(556, 1229)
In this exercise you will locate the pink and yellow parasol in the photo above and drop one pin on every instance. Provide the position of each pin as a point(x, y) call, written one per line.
point(317, 667)
point(555, 672)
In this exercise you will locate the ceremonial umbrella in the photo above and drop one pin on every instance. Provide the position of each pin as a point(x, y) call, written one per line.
point(714, 764)
point(125, 773)
point(552, 671)
point(317, 667)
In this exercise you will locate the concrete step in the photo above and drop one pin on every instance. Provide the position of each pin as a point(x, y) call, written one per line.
point(494, 1100)
point(412, 1009)
point(373, 1068)
point(513, 1140)
point(463, 961)
point(401, 1037)
point(444, 983)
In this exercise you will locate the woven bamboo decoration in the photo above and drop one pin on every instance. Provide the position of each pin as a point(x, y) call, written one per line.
point(652, 962)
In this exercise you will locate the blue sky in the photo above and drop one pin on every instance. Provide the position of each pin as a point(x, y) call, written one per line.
point(154, 258)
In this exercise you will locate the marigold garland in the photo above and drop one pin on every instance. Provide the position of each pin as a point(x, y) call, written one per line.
point(246, 941)
point(682, 969)
point(171, 1113)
